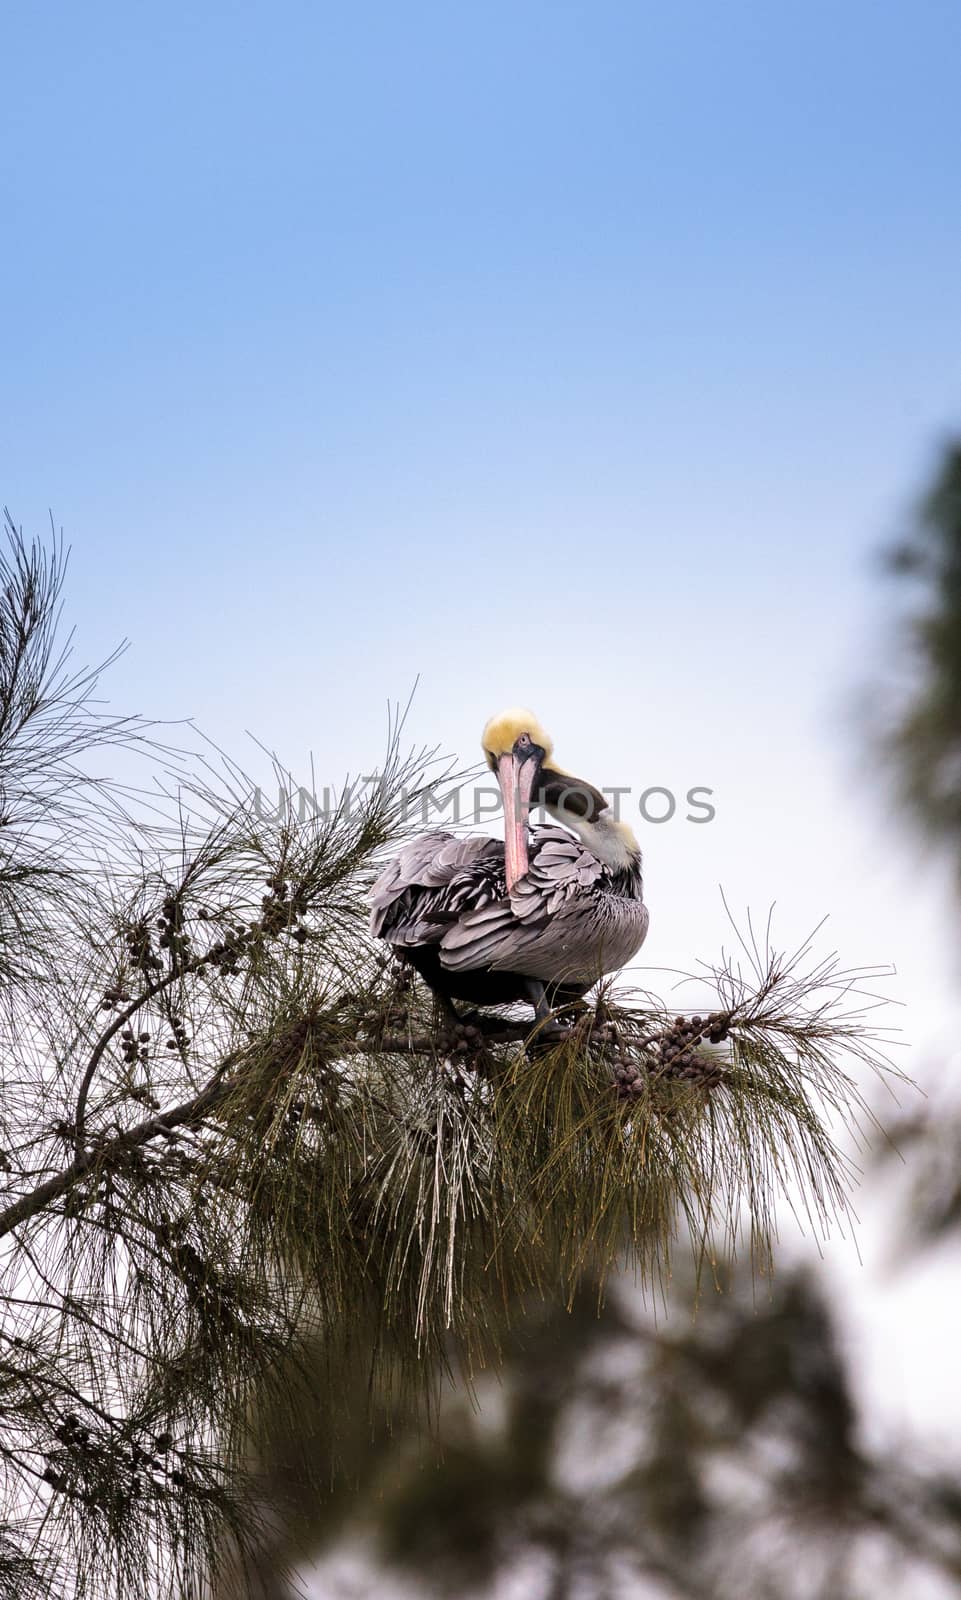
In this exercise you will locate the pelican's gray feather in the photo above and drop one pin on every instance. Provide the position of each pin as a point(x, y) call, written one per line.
point(569, 920)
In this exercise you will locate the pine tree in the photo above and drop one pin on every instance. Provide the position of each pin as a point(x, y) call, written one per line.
point(235, 1139)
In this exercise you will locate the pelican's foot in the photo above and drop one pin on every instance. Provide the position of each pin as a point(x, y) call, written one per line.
point(492, 1024)
point(447, 1012)
point(554, 1030)
point(547, 1038)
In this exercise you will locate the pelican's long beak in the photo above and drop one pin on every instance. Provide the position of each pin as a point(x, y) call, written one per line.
point(516, 776)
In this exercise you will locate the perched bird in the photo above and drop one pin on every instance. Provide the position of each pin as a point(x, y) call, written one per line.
point(540, 917)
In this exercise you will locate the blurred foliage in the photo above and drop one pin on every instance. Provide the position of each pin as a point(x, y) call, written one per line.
point(921, 740)
point(921, 728)
point(930, 1145)
point(717, 1458)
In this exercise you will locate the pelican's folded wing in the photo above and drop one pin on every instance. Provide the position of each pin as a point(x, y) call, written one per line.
point(505, 933)
point(431, 882)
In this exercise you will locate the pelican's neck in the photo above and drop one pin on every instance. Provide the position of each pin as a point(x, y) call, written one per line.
point(612, 842)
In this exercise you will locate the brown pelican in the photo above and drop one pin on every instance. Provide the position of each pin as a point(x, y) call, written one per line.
point(537, 918)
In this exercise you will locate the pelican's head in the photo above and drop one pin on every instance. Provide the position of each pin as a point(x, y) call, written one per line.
point(502, 732)
point(520, 753)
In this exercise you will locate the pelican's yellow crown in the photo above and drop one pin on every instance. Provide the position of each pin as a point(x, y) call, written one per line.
point(501, 732)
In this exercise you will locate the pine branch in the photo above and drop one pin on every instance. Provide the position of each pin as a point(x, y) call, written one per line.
point(45, 1194)
point(192, 1112)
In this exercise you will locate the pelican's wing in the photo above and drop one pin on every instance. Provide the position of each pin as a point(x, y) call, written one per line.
point(505, 933)
point(431, 882)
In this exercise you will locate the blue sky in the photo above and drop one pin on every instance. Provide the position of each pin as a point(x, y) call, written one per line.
point(575, 354)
